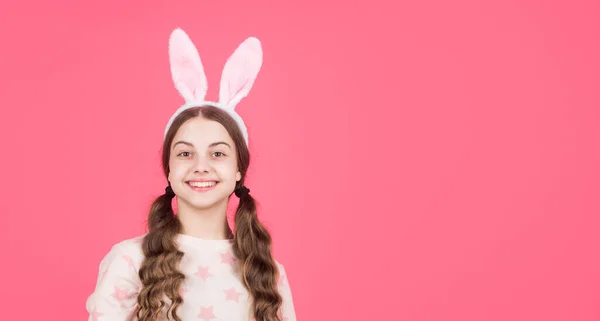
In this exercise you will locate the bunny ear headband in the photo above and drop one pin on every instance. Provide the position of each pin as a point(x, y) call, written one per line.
point(237, 79)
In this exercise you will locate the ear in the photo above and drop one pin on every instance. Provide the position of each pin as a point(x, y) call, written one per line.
point(238, 176)
point(186, 68)
point(239, 72)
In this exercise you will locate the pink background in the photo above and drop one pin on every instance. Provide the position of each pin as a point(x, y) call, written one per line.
point(414, 160)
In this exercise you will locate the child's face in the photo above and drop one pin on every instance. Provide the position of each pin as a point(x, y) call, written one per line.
point(202, 150)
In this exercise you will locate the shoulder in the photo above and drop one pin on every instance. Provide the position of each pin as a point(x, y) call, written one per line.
point(279, 265)
point(130, 245)
point(281, 270)
point(129, 250)
point(117, 283)
point(283, 282)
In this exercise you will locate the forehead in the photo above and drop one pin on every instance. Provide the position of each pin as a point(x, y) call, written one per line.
point(202, 132)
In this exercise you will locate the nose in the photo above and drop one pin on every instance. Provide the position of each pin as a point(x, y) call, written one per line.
point(202, 164)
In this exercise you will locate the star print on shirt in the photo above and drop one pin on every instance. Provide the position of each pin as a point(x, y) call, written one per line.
point(203, 272)
point(129, 260)
point(227, 258)
point(121, 294)
point(232, 294)
point(207, 313)
point(95, 314)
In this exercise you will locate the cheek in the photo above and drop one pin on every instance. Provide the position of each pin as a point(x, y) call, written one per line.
point(228, 170)
point(177, 169)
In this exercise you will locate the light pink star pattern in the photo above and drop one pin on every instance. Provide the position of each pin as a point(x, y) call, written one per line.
point(207, 313)
point(129, 260)
point(203, 272)
point(95, 314)
point(232, 294)
point(121, 294)
point(227, 258)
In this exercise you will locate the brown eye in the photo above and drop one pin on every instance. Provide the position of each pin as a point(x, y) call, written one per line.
point(182, 154)
point(218, 154)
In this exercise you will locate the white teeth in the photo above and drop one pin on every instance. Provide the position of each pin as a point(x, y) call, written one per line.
point(203, 184)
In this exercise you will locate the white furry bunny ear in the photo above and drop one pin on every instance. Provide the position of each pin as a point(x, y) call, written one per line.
point(237, 79)
point(186, 67)
point(239, 73)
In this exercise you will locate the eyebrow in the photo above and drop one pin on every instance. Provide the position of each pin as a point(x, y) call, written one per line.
point(192, 145)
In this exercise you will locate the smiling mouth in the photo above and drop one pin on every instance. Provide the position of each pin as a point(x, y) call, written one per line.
point(202, 185)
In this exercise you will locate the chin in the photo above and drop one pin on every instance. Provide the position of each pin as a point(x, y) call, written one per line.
point(206, 203)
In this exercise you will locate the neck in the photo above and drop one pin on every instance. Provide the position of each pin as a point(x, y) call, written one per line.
point(206, 223)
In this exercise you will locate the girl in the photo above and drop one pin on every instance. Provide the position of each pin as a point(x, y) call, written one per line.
point(191, 265)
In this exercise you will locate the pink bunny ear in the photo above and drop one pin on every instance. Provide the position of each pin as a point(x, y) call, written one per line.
point(186, 67)
point(240, 72)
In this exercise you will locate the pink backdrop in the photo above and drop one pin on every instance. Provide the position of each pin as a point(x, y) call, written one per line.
point(415, 160)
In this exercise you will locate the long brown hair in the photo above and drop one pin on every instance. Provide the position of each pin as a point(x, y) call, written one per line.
point(159, 271)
